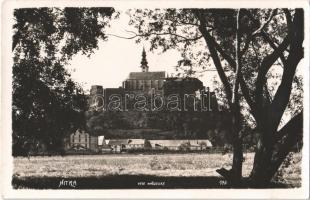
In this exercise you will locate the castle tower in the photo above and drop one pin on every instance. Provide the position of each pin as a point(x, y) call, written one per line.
point(96, 96)
point(144, 66)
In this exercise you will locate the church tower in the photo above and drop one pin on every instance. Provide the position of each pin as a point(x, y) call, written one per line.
point(144, 66)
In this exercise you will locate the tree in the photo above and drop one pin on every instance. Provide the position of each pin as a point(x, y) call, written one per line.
point(47, 103)
point(266, 40)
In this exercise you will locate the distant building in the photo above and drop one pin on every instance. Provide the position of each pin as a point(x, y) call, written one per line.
point(118, 145)
point(103, 146)
point(97, 144)
point(81, 141)
point(138, 144)
point(181, 144)
point(147, 83)
point(96, 96)
point(181, 86)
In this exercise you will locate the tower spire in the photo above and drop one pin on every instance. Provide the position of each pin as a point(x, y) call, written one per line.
point(144, 66)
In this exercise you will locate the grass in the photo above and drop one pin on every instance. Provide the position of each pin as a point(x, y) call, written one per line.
point(114, 167)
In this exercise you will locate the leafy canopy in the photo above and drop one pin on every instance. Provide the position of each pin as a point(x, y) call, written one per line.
point(47, 103)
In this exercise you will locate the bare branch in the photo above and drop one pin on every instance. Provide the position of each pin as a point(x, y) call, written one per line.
point(123, 37)
point(132, 32)
point(157, 34)
point(235, 98)
point(213, 53)
point(268, 60)
point(266, 64)
point(243, 86)
point(272, 44)
point(290, 127)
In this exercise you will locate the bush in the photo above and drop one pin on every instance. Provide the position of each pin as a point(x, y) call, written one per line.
point(288, 161)
point(155, 163)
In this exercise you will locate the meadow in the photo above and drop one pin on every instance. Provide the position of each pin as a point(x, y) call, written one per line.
point(161, 165)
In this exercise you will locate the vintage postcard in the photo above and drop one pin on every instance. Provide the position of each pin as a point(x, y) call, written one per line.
point(155, 99)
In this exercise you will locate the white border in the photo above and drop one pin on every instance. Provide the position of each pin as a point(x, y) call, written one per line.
point(6, 91)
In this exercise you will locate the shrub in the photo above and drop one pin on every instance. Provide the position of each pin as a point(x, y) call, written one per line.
point(155, 163)
point(288, 161)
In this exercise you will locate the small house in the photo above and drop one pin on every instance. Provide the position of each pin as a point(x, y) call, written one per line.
point(79, 140)
point(135, 144)
point(204, 144)
point(167, 144)
point(181, 144)
point(103, 145)
point(118, 146)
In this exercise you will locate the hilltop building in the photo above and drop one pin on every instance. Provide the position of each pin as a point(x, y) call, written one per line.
point(148, 83)
point(159, 130)
point(144, 81)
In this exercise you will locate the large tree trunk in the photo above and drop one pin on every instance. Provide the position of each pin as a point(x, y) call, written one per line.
point(237, 141)
point(268, 157)
point(235, 174)
point(271, 153)
point(259, 176)
point(237, 161)
point(275, 145)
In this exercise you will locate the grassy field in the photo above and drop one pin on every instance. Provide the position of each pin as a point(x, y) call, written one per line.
point(164, 165)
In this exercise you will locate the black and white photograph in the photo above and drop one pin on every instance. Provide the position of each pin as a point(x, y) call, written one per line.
point(177, 97)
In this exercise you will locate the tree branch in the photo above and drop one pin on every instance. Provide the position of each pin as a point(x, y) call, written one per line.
point(259, 30)
point(157, 34)
point(235, 98)
point(266, 64)
point(288, 16)
point(262, 26)
point(262, 32)
point(296, 54)
point(293, 132)
point(294, 126)
point(215, 57)
point(243, 86)
point(272, 44)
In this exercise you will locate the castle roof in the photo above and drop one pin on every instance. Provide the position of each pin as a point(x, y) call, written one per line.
point(147, 75)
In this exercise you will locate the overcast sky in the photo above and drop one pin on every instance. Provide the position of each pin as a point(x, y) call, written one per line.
point(111, 64)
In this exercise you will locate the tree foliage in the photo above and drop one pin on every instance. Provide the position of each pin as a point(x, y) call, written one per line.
point(47, 103)
point(269, 48)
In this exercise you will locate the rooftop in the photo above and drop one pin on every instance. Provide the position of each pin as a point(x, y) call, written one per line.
point(118, 142)
point(136, 141)
point(147, 75)
point(177, 143)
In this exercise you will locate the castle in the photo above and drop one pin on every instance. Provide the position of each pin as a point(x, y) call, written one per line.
point(145, 80)
point(161, 129)
point(149, 84)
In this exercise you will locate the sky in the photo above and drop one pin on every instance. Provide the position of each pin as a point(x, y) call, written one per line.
point(111, 64)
